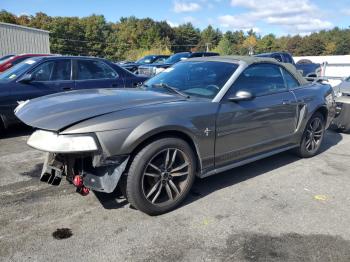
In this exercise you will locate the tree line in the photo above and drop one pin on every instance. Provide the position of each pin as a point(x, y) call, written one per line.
point(130, 38)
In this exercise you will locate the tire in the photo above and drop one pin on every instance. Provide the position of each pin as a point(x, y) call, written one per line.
point(158, 181)
point(312, 138)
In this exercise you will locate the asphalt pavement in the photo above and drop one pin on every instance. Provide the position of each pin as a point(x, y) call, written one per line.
point(278, 209)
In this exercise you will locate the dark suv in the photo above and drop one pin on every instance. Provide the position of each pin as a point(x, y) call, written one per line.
point(149, 59)
point(39, 76)
point(307, 68)
point(153, 69)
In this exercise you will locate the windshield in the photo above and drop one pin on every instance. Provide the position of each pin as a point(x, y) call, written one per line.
point(176, 58)
point(17, 70)
point(201, 79)
point(145, 60)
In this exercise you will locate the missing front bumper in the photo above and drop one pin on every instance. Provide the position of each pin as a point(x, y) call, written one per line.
point(98, 173)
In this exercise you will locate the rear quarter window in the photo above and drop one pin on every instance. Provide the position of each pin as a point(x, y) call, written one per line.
point(260, 80)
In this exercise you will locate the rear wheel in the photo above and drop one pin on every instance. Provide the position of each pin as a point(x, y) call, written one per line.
point(160, 176)
point(312, 137)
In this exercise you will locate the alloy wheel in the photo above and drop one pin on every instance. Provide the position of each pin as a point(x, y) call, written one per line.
point(166, 176)
point(314, 135)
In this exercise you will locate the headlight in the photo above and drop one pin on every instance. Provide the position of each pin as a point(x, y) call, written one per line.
point(52, 142)
point(329, 99)
point(154, 70)
point(338, 94)
point(159, 70)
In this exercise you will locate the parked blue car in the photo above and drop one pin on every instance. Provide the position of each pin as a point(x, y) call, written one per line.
point(42, 76)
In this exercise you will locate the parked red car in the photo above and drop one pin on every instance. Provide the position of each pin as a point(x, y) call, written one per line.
point(13, 60)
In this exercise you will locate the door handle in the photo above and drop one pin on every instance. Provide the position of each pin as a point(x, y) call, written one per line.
point(286, 102)
point(114, 85)
point(67, 88)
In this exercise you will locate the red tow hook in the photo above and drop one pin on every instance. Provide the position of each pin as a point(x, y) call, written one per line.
point(78, 181)
point(81, 189)
point(84, 191)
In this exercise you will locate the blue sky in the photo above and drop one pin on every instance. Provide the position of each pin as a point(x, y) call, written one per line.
point(280, 17)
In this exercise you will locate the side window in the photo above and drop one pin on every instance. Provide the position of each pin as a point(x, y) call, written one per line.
point(159, 60)
point(87, 69)
point(260, 80)
point(210, 54)
point(197, 55)
point(291, 82)
point(289, 59)
point(277, 57)
point(43, 72)
point(52, 71)
point(61, 70)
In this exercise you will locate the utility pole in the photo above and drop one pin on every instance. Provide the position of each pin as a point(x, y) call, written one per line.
point(207, 45)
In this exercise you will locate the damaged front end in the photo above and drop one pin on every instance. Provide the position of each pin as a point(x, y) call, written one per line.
point(80, 159)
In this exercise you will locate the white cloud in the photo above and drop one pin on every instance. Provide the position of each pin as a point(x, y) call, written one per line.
point(237, 22)
point(182, 7)
point(172, 24)
point(296, 16)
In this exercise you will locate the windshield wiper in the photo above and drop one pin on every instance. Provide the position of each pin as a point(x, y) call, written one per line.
point(172, 89)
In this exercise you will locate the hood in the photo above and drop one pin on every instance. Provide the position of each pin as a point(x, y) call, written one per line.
point(343, 87)
point(58, 111)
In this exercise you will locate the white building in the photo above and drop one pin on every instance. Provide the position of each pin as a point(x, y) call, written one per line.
point(17, 39)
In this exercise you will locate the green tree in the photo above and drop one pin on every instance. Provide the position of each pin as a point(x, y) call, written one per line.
point(293, 45)
point(225, 47)
point(312, 45)
point(131, 37)
point(7, 17)
point(209, 36)
point(96, 32)
point(186, 37)
point(67, 36)
point(267, 44)
point(250, 43)
point(343, 44)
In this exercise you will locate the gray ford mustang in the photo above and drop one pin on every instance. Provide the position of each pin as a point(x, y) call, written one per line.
point(198, 118)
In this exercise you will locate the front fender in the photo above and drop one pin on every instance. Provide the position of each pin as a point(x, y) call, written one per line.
point(121, 132)
point(158, 125)
point(120, 142)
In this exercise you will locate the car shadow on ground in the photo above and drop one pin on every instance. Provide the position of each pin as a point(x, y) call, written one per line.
point(113, 200)
point(206, 186)
point(16, 131)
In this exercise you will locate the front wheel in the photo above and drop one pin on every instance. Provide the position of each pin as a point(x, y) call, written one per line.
point(312, 137)
point(160, 176)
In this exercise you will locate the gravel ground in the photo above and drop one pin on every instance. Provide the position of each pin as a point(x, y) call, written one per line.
point(278, 209)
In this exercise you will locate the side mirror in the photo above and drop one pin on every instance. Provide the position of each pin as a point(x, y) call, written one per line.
point(242, 96)
point(27, 78)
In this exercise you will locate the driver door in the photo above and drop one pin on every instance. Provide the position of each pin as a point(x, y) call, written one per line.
point(266, 122)
point(47, 78)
